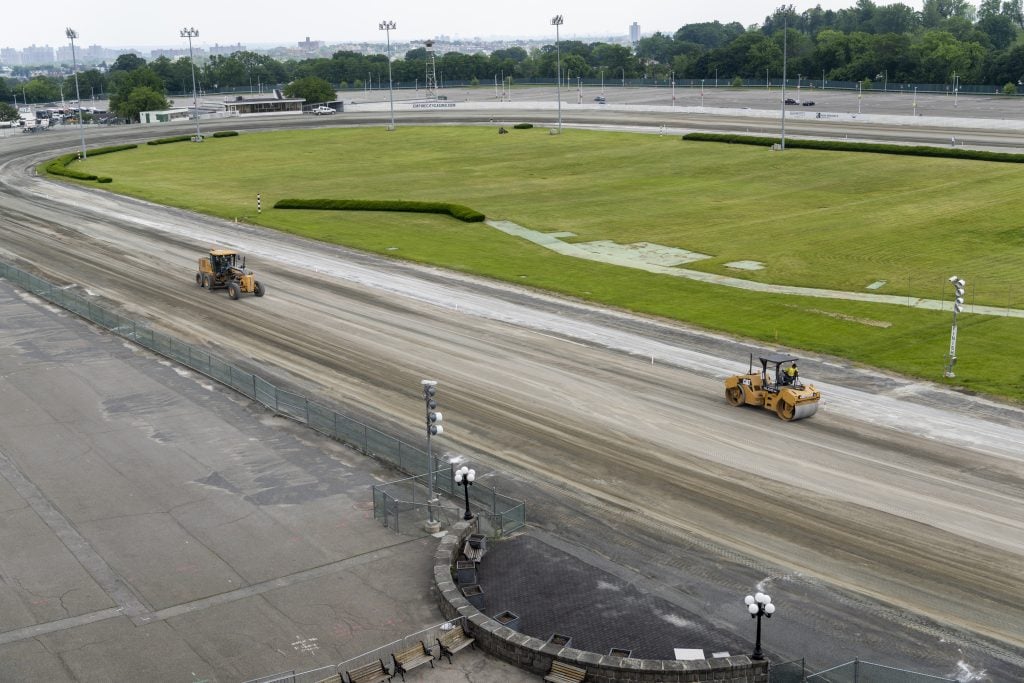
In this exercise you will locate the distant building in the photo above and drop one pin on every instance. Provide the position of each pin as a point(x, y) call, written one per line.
point(309, 45)
point(35, 55)
point(634, 33)
point(164, 115)
point(10, 56)
point(226, 49)
point(278, 104)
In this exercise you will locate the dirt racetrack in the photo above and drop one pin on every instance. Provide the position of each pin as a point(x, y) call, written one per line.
point(898, 539)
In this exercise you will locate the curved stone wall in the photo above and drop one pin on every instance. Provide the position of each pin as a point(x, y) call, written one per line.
point(536, 655)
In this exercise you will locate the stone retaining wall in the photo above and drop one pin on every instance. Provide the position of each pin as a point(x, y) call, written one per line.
point(536, 655)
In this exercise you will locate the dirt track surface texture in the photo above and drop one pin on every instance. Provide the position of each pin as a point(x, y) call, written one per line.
point(890, 526)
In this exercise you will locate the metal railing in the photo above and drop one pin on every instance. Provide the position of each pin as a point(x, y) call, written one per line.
point(403, 504)
point(428, 636)
point(506, 514)
point(859, 671)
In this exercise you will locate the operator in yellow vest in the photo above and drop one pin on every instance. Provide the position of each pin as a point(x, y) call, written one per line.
point(791, 374)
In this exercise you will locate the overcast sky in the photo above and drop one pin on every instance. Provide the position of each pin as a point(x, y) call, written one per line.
point(142, 23)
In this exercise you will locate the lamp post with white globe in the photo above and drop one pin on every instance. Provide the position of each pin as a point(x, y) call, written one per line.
point(464, 477)
point(758, 605)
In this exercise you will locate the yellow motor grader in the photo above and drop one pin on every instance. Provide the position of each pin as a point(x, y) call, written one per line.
point(775, 388)
point(223, 269)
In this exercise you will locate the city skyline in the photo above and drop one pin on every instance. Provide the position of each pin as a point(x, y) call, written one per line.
point(152, 26)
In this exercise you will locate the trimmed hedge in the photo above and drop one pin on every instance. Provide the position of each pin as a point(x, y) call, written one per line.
point(167, 141)
point(843, 146)
point(462, 213)
point(523, 126)
point(59, 166)
point(225, 133)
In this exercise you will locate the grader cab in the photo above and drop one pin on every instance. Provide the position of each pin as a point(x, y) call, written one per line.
point(774, 387)
point(224, 269)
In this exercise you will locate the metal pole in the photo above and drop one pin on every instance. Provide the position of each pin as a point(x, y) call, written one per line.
point(191, 33)
point(386, 26)
point(429, 391)
point(71, 34)
point(557, 21)
point(785, 35)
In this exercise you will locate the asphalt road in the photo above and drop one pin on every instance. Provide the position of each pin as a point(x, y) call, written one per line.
point(890, 526)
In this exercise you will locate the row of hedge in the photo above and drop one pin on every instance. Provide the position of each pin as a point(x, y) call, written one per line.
point(462, 213)
point(843, 146)
point(59, 166)
point(189, 138)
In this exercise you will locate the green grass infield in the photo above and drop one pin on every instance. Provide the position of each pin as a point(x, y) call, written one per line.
point(833, 220)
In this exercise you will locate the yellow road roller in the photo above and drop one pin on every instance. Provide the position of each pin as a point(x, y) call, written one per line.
point(776, 387)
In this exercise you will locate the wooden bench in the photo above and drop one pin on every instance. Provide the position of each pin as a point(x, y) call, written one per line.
point(565, 673)
point(471, 553)
point(453, 641)
point(374, 672)
point(407, 660)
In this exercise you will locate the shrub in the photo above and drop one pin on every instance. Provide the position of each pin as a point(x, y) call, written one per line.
point(737, 82)
point(167, 141)
point(462, 213)
point(59, 166)
point(1010, 88)
point(109, 150)
point(523, 126)
point(843, 146)
point(225, 133)
point(104, 179)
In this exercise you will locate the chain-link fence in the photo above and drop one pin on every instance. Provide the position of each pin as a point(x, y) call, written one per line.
point(859, 671)
point(787, 672)
point(506, 514)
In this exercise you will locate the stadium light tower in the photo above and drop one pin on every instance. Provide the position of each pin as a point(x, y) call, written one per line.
point(387, 26)
point(557, 21)
point(72, 34)
point(191, 33)
point(958, 305)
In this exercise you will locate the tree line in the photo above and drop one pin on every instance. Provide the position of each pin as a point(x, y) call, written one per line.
point(946, 40)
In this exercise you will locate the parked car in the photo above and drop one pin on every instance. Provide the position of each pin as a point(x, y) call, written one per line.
point(790, 100)
point(322, 110)
point(808, 103)
point(599, 99)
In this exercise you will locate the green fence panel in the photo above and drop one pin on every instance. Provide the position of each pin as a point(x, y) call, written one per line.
point(266, 393)
point(350, 431)
point(291, 405)
point(382, 445)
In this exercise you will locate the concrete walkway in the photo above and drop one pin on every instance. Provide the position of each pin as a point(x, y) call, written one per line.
point(632, 258)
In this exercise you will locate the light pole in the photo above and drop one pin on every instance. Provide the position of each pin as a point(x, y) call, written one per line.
point(759, 605)
point(386, 26)
point(859, 94)
point(464, 477)
point(191, 33)
point(915, 100)
point(71, 34)
point(716, 78)
point(785, 50)
point(433, 429)
point(956, 88)
point(673, 73)
point(602, 80)
point(623, 76)
point(557, 21)
point(702, 93)
point(958, 305)
point(822, 79)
